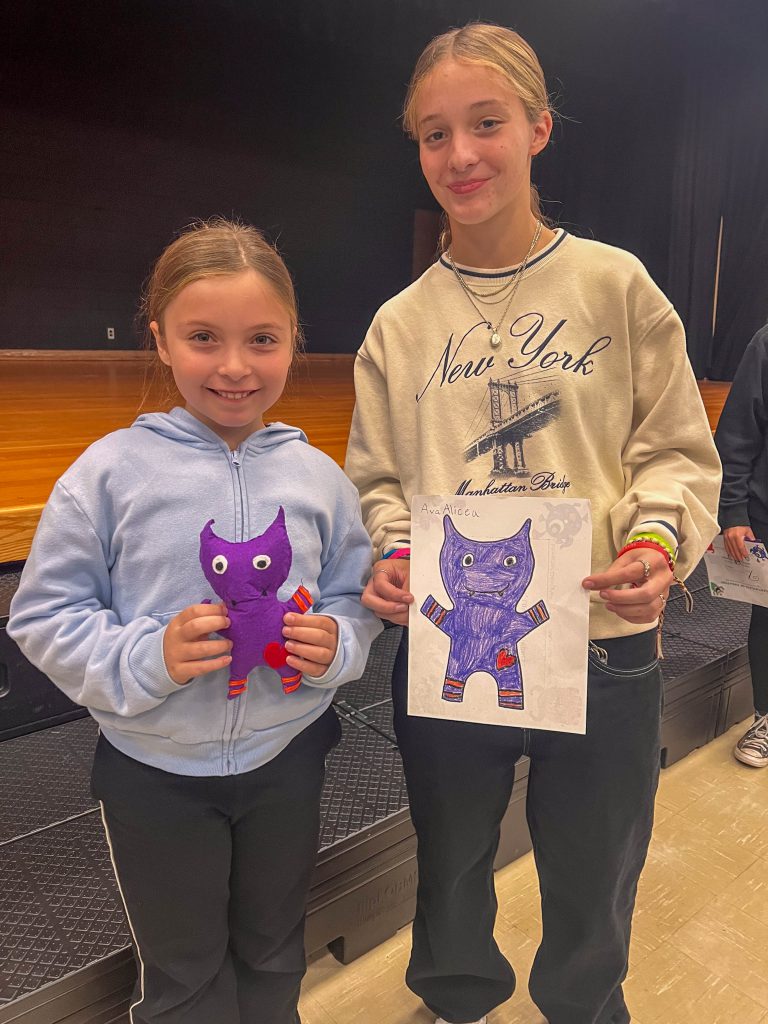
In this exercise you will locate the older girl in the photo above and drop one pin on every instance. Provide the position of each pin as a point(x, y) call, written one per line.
point(515, 313)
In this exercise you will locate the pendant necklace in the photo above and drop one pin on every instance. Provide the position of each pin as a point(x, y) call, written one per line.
point(514, 284)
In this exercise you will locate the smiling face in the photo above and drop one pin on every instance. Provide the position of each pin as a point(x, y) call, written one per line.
point(476, 143)
point(229, 343)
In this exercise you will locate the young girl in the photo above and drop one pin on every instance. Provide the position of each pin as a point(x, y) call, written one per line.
point(210, 805)
point(516, 315)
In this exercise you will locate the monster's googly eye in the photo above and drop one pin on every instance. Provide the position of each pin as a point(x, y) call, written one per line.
point(262, 562)
point(510, 560)
point(467, 560)
point(219, 565)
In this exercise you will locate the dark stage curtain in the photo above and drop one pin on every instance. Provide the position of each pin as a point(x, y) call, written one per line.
point(721, 171)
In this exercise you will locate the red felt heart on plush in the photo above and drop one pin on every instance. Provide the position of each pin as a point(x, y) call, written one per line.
point(275, 655)
point(504, 659)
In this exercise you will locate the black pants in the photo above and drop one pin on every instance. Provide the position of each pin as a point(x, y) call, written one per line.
point(214, 873)
point(757, 642)
point(590, 812)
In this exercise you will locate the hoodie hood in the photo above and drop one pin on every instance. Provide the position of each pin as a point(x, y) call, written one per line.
point(181, 426)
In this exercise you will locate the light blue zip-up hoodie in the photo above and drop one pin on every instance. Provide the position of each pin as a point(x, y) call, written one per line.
point(116, 556)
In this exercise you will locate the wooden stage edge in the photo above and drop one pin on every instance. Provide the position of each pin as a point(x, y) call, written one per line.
point(139, 355)
point(54, 403)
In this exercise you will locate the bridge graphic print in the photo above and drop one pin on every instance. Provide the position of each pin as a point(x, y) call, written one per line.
point(510, 426)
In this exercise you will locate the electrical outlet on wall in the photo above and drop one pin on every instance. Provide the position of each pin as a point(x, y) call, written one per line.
point(110, 334)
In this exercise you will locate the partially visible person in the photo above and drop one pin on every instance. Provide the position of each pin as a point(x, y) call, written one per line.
point(742, 441)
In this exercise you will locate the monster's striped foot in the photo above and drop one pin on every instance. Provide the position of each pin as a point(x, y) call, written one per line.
point(511, 699)
point(453, 690)
point(291, 683)
point(236, 687)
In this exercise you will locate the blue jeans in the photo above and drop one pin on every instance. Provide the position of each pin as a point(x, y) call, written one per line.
point(590, 813)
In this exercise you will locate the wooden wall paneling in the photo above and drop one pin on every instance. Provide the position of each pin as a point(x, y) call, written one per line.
point(54, 404)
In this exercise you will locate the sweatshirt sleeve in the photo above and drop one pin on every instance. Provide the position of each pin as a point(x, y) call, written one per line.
point(61, 619)
point(740, 434)
point(371, 461)
point(341, 583)
point(671, 468)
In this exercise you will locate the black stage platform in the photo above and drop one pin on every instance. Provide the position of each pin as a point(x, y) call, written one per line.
point(64, 944)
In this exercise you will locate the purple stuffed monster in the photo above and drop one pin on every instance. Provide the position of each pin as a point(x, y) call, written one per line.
point(247, 576)
point(485, 580)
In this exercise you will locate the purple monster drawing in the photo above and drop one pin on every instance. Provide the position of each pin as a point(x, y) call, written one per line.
point(485, 580)
point(246, 576)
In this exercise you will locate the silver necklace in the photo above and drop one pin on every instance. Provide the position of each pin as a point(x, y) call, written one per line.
point(515, 284)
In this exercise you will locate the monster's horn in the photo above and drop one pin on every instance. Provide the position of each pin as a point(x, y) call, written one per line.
point(448, 528)
point(206, 533)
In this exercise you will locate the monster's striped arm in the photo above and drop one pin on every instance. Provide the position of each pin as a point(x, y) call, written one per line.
point(300, 601)
point(435, 612)
point(538, 615)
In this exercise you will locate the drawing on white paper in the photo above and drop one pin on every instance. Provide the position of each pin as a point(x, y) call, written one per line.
point(485, 580)
point(499, 627)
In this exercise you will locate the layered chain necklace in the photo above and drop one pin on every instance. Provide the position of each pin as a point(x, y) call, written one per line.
point(513, 284)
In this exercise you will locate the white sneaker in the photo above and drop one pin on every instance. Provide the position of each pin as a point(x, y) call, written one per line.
point(483, 1020)
point(752, 748)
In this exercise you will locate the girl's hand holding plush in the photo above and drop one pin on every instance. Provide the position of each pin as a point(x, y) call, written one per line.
point(187, 648)
point(311, 642)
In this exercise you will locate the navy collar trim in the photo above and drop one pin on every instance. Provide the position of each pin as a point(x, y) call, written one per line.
point(506, 273)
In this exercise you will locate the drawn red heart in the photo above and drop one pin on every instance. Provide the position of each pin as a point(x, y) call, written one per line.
point(504, 659)
point(275, 655)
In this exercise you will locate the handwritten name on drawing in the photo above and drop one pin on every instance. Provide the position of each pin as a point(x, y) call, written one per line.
point(538, 482)
point(450, 510)
point(533, 351)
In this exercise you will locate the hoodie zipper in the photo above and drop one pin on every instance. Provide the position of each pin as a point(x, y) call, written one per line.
point(236, 465)
point(234, 708)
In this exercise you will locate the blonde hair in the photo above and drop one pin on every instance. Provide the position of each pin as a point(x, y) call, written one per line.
point(498, 49)
point(211, 249)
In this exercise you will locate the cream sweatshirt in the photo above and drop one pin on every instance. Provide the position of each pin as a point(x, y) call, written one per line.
point(590, 395)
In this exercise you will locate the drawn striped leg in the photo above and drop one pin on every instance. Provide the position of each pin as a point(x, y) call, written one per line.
point(456, 675)
point(453, 690)
point(509, 679)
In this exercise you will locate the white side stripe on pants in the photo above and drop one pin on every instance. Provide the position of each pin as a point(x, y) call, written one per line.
point(140, 1000)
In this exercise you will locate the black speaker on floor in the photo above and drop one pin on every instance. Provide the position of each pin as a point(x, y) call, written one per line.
point(28, 699)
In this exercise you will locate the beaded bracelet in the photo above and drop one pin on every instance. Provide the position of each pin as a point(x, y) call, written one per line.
point(647, 535)
point(398, 553)
point(653, 545)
